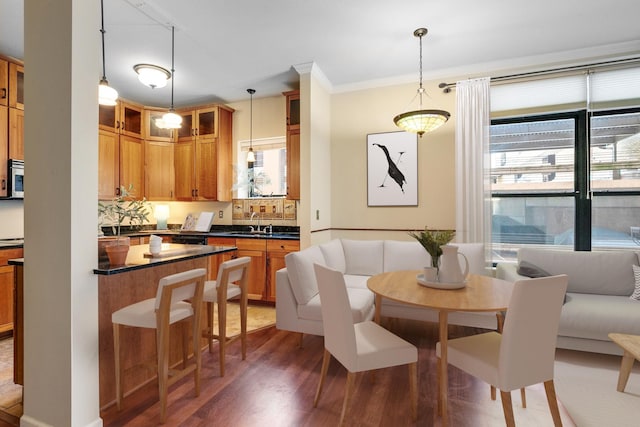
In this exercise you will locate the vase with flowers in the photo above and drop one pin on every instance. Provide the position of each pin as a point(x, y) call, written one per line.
point(114, 213)
point(432, 241)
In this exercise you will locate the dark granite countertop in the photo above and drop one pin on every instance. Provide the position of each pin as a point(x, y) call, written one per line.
point(171, 252)
point(241, 232)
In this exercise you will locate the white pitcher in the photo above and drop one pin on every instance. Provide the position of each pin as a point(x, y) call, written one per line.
point(450, 271)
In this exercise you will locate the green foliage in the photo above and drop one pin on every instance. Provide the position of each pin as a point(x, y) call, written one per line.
point(432, 240)
point(121, 208)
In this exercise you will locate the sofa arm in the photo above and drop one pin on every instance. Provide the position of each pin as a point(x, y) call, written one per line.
point(286, 304)
point(506, 270)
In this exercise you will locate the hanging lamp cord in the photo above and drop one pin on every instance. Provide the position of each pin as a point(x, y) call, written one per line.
point(420, 90)
point(172, 63)
point(102, 31)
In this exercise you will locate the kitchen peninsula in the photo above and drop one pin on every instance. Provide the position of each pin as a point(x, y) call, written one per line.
point(121, 286)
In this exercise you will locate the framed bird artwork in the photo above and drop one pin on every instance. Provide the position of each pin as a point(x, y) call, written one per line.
point(392, 169)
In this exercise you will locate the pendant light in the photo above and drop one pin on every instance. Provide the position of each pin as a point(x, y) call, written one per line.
point(251, 156)
point(171, 120)
point(421, 121)
point(106, 94)
point(151, 75)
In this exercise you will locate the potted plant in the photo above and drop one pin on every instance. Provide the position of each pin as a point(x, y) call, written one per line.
point(431, 241)
point(113, 213)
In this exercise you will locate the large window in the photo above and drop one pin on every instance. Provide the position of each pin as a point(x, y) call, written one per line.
point(268, 174)
point(569, 180)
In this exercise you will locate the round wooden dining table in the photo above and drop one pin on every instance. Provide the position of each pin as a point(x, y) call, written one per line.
point(481, 293)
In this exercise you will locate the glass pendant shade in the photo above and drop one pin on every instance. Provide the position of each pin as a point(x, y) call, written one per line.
point(106, 94)
point(152, 75)
point(421, 121)
point(170, 120)
point(251, 156)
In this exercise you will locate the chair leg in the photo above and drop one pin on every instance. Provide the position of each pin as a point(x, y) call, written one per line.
point(550, 389)
point(162, 342)
point(523, 397)
point(197, 353)
point(185, 344)
point(118, 364)
point(413, 389)
point(209, 327)
point(438, 376)
point(493, 393)
point(351, 376)
point(243, 324)
point(300, 339)
point(326, 358)
point(222, 332)
point(507, 408)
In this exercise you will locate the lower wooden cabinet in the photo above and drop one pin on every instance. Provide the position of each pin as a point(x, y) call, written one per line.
point(256, 249)
point(7, 288)
point(276, 251)
point(216, 260)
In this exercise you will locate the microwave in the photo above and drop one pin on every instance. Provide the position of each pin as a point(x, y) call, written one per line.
point(16, 179)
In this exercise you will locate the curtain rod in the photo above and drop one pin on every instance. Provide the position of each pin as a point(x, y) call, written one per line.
point(448, 87)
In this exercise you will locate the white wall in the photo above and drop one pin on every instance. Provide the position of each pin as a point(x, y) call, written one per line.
point(12, 218)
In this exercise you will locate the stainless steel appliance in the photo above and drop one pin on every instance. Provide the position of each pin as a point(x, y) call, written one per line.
point(15, 180)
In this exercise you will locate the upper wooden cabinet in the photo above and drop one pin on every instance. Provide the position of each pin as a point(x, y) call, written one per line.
point(4, 148)
point(293, 144)
point(120, 163)
point(159, 170)
point(16, 85)
point(124, 118)
point(4, 82)
point(153, 132)
point(203, 163)
point(16, 134)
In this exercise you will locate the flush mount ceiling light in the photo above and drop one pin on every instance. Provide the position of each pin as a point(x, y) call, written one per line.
point(251, 156)
point(106, 94)
point(421, 121)
point(152, 75)
point(171, 120)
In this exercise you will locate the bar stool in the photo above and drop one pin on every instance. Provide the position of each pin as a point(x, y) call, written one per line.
point(178, 299)
point(232, 280)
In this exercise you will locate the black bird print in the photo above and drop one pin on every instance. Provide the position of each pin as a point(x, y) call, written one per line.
point(393, 170)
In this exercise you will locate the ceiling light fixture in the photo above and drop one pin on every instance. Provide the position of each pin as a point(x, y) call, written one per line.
point(151, 75)
point(251, 156)
point(106, 94)
point(421, 121)
point(171, 120)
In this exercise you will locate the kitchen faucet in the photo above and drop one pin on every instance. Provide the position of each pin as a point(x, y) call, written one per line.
point(257, 230)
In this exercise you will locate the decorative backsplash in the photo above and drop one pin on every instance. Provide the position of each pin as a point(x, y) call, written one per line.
point(266, 208)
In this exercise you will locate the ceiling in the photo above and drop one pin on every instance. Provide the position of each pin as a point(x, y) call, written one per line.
point(224, 47)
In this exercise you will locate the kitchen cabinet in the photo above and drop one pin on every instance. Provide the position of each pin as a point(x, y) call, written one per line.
point(217, 259)
point(203, 151)
point(293, 144)
point(276, 251)
point(159, 182)
point(120, 163)
point(16, 85)
point(4, 149)
point(4, 82)
point(16, 134)
point(153, 132)
point(124, 118)
point(256, 249)
point(7, 289)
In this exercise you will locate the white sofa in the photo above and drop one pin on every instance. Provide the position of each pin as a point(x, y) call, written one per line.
point(298, 302)
point(597, 300)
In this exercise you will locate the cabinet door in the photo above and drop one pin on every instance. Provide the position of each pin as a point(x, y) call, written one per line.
point(16, 86)
point(4, 148)
point(109, 117)
point(132, 164)
point(4, 82)
point(206, 169)
point(187, 131)
point(293, 164)
point(256, 249)
point(184, 170)
point(276, 251)
point(131, 119)
point(16, 134)
point(159, 172)
point(6, 298)
point(108, 165)
point(153, 132)
point(207, 122)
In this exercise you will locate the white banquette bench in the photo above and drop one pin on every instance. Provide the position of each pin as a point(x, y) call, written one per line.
point(298, 302)
point(598, 295)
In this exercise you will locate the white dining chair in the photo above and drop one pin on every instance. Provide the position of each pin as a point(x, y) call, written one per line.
point(178, 299)
point(524, 353)
point(361, 346)
point(231, 282)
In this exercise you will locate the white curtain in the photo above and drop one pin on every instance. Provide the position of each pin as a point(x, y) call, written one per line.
point(473, 192)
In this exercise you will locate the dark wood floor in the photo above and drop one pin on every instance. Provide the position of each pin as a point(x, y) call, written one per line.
point(275, 386)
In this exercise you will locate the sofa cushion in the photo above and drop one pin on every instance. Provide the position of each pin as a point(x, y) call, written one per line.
point(404, 256)
point(595, 272)
point(334, 255)
point(301, 274)
point(360, 300)
point(363, 257)
point(594, 316)
point(355, 281)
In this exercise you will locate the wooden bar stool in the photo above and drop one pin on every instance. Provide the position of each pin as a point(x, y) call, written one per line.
point(233, 277)
point(178, 299)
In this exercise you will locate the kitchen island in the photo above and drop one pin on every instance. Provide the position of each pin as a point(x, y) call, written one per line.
point(118, 287)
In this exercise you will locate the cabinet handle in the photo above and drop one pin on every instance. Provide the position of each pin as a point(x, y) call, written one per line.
point(117, 124)
point(193, 132)
point(4, 184)
point(117, 191)
point(4, 93)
